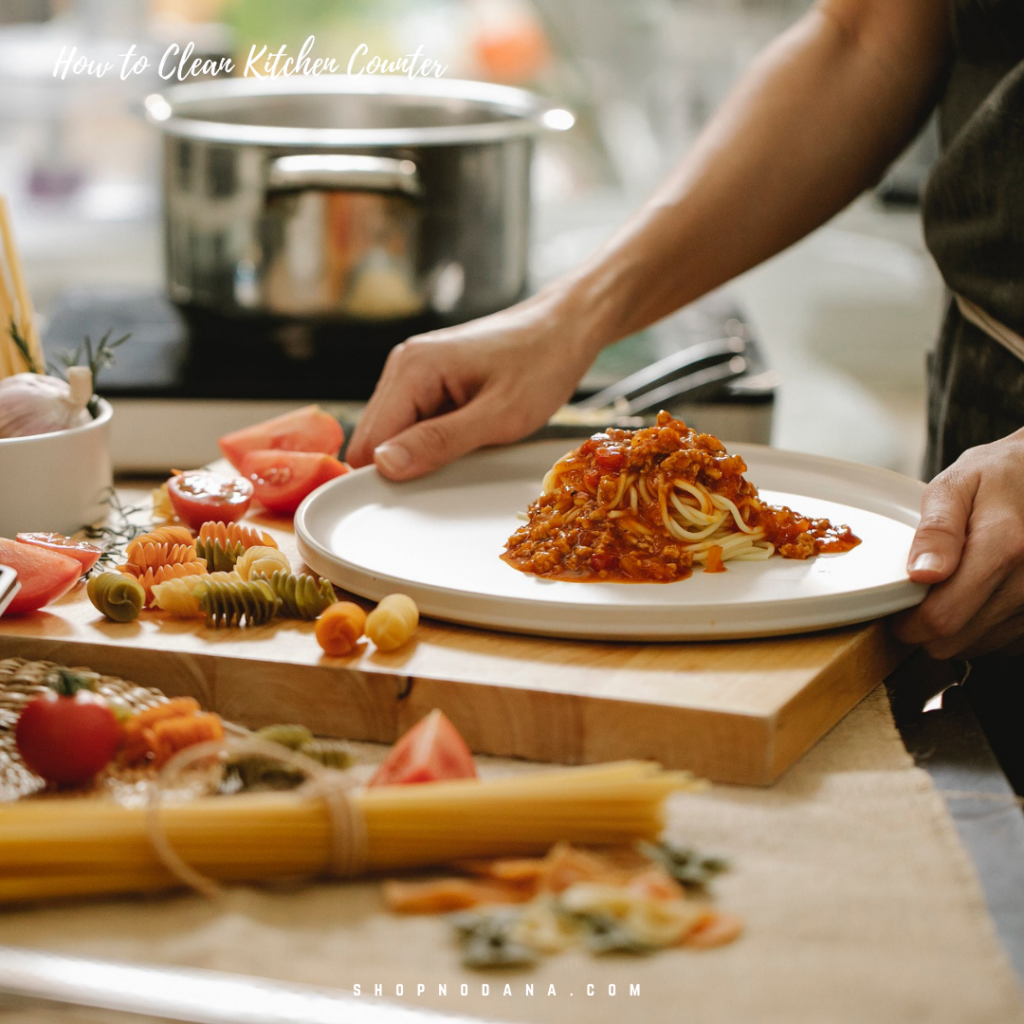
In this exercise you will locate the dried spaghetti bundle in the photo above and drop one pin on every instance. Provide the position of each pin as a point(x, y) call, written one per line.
point(61, 848)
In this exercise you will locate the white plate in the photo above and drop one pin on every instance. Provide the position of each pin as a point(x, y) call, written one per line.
point(438, 539)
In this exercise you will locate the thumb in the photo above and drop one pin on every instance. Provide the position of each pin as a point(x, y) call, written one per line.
point(939, 541)
point(433, 443)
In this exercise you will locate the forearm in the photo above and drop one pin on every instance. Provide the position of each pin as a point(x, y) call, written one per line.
point(814, 122)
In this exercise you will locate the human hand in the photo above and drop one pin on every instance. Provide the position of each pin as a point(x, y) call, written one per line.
point(970, 545)
point(490, 381)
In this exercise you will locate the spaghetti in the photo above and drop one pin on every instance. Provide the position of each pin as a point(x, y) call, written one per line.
point(643, 506)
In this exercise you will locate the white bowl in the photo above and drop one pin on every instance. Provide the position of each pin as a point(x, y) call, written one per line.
point(56, 482)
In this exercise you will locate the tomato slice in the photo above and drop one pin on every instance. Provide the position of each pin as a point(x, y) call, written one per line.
point(282, 479)
point(86, 553)
point(309, 429)
point(67, 739)
point(44, 575)
point(430, 751)
point(201, 496)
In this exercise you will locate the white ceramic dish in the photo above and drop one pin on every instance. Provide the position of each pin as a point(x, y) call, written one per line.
point(56, 482)
point(439, 539)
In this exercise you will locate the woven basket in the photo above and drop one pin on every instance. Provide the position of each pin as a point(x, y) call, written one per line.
point(22, 681)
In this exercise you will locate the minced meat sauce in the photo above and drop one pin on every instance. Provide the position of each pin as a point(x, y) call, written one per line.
point(585, 527)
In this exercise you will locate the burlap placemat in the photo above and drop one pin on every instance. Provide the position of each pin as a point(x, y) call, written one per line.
point(861, 906)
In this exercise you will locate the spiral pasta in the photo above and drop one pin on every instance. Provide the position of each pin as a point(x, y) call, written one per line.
point(178, 598)
point(219, 557)
point(221, 544)
point(251, 603)
point(302, 596)
point(117, 595)
point(151, 577)
point(229, 534)
point(261, 560)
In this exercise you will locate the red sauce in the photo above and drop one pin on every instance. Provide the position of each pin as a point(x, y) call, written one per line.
point(586, 529)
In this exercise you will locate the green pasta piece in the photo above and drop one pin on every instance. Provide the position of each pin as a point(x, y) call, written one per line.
point(328, 752)
point(302, 596)
point(219, 557)
point(235, 604)
point(117, 595)
point(290, 736)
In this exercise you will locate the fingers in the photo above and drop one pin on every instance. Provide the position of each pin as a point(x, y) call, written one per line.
point(945, 512)
point(432, 443)
point(409, 388)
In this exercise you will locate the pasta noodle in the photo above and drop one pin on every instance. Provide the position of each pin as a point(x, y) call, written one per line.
point(55, 848)
point(261, 560)
point(302, 596)
point(233, 533)
point(645, 505)
point(178, 598)
point(221, 544)
point(393, 622)
point(15, 307)
point(251, 603)
point(117, 595)
point(151, 577)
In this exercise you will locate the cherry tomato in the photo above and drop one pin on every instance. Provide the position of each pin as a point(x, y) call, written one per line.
point(86, 553)
point(282, 478)
point(201, 496)
point(430, 751)
point(67, 739)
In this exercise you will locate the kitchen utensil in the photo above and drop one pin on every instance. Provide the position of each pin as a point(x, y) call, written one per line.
point(348, 198)
point(9, 586)
point(191, 994)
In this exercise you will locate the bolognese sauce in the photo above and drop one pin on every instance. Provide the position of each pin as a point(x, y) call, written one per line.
point(643, 506)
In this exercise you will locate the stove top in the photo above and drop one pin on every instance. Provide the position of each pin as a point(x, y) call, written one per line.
point(184, 379)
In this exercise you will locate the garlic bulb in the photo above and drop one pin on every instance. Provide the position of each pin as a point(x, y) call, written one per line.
point(31, 403)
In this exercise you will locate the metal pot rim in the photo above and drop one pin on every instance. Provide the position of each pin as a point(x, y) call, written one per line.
point(519, 113)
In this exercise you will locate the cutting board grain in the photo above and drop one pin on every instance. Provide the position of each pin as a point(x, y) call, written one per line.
point(732, 711)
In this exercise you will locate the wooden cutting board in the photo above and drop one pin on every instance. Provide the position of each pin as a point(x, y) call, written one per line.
point(732, 711)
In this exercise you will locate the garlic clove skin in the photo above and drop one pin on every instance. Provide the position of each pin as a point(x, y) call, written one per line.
point(33, 403)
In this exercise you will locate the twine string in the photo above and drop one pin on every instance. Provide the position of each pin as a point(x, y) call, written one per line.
point(348, 839)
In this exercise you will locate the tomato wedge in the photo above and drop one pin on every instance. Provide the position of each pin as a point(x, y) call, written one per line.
point(44, 575)
point(430, 751)
point(282, 479)
point(309, 429)
point(86, 553)
point(201, 496)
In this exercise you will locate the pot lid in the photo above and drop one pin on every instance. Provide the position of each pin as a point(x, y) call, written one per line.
point(331, 111)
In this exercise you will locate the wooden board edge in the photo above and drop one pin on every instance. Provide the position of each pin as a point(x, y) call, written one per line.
point(869, 658)
point(535, 725)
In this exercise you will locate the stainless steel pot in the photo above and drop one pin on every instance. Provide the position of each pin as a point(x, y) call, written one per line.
point(348, 198)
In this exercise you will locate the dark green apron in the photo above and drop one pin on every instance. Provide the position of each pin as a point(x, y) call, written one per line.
point(974, 226)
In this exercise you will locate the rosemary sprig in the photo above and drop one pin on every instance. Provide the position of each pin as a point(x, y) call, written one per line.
point(117, 532)
point(96, 358)
point(22, 346)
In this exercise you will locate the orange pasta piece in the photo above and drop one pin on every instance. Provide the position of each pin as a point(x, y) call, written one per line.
point(151, 556)
point(169, 735)
point(339, 628)
point(170, 535)
point(229, 534)
point(162, 573)
point(443, 895)
point(134, 746)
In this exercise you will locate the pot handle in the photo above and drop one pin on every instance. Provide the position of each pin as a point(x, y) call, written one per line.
point(347, 172)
